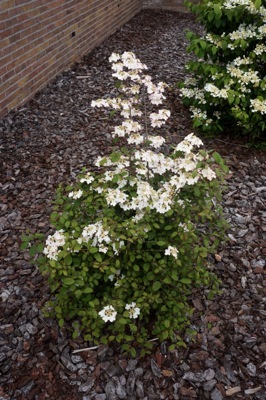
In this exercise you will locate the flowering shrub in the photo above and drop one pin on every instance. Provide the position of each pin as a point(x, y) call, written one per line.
point(228, 83)
point(132, 240)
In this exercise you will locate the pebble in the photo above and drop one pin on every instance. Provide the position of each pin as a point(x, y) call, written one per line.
point(216, 395)
point(132, 364)
point(209, 374)
point(68, 364)
point(209, 385)
point(120, 390)
point(101, 396)
point(131, 383)
point(242, 232)
point(258, 263)
point(32, 329)
point(110, 391)
point(252, 369)
point(155, 369)
point(87, 386)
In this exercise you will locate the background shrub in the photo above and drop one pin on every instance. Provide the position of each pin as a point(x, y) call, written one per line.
point(226, 90)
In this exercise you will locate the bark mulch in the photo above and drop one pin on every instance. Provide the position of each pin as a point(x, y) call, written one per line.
point(47, 142)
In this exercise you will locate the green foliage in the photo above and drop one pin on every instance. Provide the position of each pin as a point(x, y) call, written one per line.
point(227, 88)
point(160, 285)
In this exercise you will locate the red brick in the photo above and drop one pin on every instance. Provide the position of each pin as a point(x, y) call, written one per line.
point(37, 42)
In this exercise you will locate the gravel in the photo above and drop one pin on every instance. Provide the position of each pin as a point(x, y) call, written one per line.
point(47, 142)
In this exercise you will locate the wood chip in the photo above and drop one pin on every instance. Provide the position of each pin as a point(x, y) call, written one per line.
point(231, 391)
point(254, 390)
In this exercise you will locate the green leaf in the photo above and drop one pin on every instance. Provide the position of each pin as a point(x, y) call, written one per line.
point(172, 347)
point(103, 161)
point(211, 16)
point(93, 250)
point(115, 157)
point(133, 352)
point(88, 290)
point(217, 10)
point(217, 157)
point(203, 44)
point(68, 281)
point(168, 280)
point(122, 321)
point(61, 323)
point(98, 257)
point(167, 323)
point(156, 286)
point(186, 281)
point(68, 259)
point(24, 245)
point(75, 334)
point(133, 328)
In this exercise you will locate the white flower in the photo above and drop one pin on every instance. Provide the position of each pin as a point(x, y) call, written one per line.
point(156, 141)
point(131, 126)
point(76, 194)
point(108, 313)
point(99, 103)
point(53, 242)
point(171, 251)
point(158, 119)
point(258, 106)
point(133, 310)
point(215, 92)
point(115, 196)
point(103, 249)
point(88, 178)
point(114, 57)
point(135, 138)
point(208, 173)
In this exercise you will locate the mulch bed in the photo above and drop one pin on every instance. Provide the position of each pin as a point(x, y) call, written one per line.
point(47, 142)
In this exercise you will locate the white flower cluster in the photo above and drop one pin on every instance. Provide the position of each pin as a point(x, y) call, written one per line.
point(109, 313)
point(241, 61)
point(147, 163)
point(244, 77)
point(258, 105)
point(215, 91)
point(248, 4)
point(171, 251)
point(53, 243)
point(229, 4)
point(213, 39)
point(158, 119)
point(88, 178)
point(197, 113)
point(246, 32)
point(260, 49)
point(128, 67)
point(76, 195)
point(99, 236)
point(116, 277)
point(195, 93)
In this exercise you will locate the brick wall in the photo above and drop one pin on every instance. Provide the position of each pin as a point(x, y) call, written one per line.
point(175, 5)
point(40, 38)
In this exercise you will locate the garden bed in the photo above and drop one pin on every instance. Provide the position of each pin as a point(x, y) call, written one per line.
point(47, 142)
